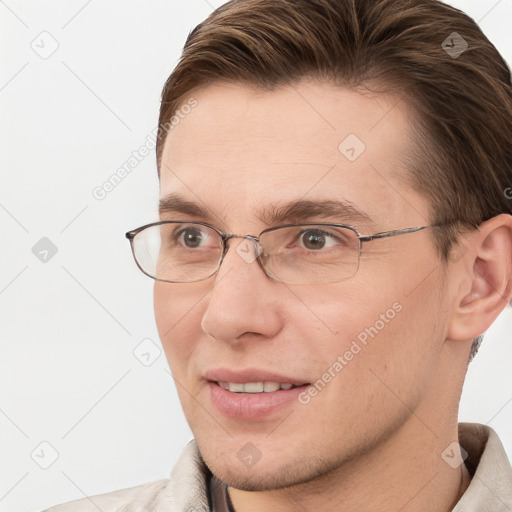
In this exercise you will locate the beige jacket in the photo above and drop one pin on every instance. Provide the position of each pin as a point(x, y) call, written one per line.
point(490, 489)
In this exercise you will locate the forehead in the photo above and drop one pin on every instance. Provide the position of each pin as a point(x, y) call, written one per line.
point(240, 148)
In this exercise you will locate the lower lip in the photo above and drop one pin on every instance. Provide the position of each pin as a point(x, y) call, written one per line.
point(251, 406)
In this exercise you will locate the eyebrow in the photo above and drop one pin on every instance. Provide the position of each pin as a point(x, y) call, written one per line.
point(293, 211)
point(173, 203)
point(303, 210)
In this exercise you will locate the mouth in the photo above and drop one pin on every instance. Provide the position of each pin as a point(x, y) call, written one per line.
point(252, 393)
point(253, 401)
point(257, 387)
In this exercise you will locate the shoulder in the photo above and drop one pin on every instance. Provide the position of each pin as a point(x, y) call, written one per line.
point(186, 489)
point(137, 497)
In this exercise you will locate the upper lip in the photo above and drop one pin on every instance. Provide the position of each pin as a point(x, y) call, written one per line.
point(250, 375)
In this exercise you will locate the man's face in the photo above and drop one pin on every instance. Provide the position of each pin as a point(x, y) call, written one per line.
point(239, 152)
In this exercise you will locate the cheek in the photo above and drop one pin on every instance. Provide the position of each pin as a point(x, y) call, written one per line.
point(178, 315)
point(382, 353)
point(391, 333)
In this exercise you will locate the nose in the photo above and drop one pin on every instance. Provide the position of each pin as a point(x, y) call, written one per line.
point(243, 300)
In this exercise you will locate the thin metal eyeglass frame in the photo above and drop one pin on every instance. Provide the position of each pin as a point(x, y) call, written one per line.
point(130, 235)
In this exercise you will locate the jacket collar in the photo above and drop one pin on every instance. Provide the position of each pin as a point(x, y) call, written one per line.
point(491, 483)
point(188, 485)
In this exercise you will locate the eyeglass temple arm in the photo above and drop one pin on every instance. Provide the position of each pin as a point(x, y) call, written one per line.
point(395, 232)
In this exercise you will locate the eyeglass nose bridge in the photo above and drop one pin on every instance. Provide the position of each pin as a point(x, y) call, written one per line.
point(226, 237)
point(247, 255)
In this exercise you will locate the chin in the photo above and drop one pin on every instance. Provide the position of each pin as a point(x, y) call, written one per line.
point(262, 479)
point(270, 474)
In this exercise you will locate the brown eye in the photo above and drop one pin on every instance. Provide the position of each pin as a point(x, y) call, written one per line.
point(313, 240)
point(191, 237)
point(318, 239)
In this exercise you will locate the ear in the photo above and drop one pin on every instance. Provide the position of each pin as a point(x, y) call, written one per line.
point(482, 278)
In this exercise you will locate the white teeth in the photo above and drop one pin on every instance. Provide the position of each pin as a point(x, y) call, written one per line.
point(255, 387)
point(236, 387)
point(271, 386)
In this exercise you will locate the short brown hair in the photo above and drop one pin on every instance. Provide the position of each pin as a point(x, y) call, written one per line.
point(463, 103)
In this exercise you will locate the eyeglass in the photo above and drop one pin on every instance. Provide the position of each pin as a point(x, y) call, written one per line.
point(185, 252)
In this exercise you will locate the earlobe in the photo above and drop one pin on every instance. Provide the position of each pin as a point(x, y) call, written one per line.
point(487, 265)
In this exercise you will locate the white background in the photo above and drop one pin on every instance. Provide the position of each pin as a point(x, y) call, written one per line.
point(69, 326)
